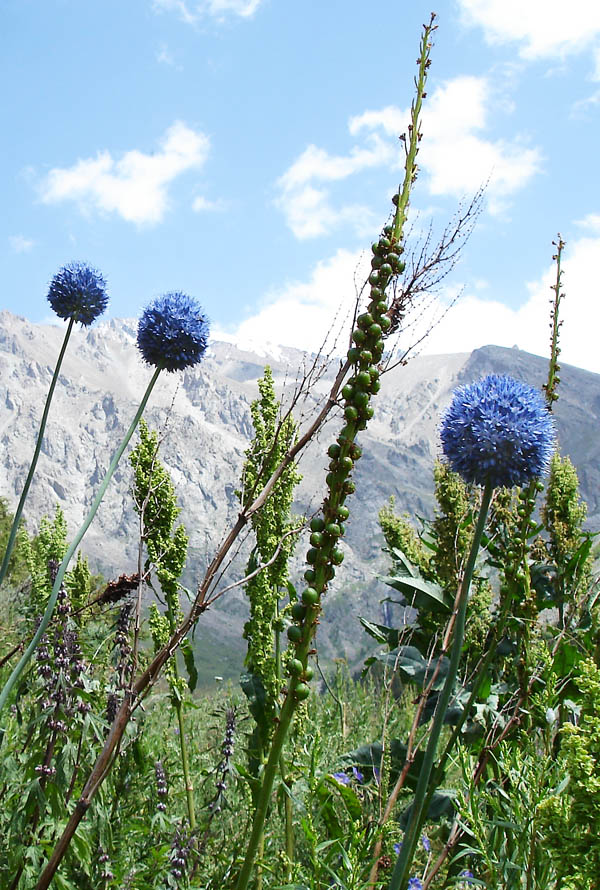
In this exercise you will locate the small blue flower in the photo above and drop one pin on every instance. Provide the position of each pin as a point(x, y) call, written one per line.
point(426, 843)
point(397, 848)
point(498, 431)
point(342, 778)
point(173, 332)
point(78, 291)
point(357, 774)
point(376, 774)
point(467, 876)
point(414, 884)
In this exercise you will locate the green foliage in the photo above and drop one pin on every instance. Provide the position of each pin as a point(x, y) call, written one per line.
point(49, 544)
point(272, 524)
point(571, 816)
point(17, 566)
point(400, 535)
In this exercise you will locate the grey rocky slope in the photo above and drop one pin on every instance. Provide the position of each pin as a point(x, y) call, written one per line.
point(208, 429)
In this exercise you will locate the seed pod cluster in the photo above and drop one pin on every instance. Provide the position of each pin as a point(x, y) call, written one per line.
point(328, 529)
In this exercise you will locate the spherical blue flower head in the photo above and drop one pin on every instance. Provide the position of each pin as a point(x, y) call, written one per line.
point(498, 431)
point(78, 291)
point(414, 884)
point(173, 332)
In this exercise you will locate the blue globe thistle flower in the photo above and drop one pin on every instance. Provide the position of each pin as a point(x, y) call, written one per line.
point(78, 291)
point(498, 431)
point(414, 884)
point(173, 332)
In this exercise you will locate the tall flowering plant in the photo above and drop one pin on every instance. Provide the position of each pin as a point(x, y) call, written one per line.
point(496, 433)
point(172, 335)
point(77, 293)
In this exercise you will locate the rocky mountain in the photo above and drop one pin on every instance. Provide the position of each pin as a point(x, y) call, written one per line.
point(207, 425)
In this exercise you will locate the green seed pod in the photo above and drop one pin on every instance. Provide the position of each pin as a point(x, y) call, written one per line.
point(385, 271)
point(343, 512)
point(342, 529)
point(361, 400)
point(539, 485)
point(337, 557)
point(295, 667)
point(350, 413)
point(308, 673)
point(365, 320)
point(316, 539)
point(374, 373)
point(294, 633)
point(331, 480)
point(375, 331)
point(333, 530)
point(346, 435)
point(347, 393)
point(349, 487)
point(363, 378)
point(310, 596)
point(388, 231)
point(376, 294)
point(298, 612)
point(353, 355)
point(359, 336)
point(346, 464)
point(376, 262)
point(366, 357)
point(382, 307)
point(310, 576)
point(333, 451)
point(375, 386)
point(385, 323)
point(374, 277)
point(355, 454)
point(302, 691)
point(329, 573)
point(400, 268)
point(384, 243)
point(311, 556)
point(369, 412)
point(317, 524)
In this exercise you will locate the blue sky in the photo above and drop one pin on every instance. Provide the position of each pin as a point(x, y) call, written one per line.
point(245, 152)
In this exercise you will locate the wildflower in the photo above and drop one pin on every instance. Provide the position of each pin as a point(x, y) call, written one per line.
point(426, 843)
point(173, 332)
point(414, 884)
point(342, 778)
point(397, 848)
point(467, 877)
point(357, 774)
point(497, 431)
point(78, 291)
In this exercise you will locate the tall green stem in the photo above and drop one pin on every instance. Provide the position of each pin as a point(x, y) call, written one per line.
point(36, 454)
point(185, 763)
point(401, 872)
point(75, 544)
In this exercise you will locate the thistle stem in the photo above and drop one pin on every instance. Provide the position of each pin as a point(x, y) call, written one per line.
point(75, 544)
point(36, 454)
point(400, 875)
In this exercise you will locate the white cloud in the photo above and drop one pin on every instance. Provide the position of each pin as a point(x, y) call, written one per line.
point(454, 152)
point(136, 185)
point(544, 28)
point(308, 209)
point(164, 56)
point(202, 204)
point(474, 322)
point(20, 244)
point(191, 13)
point(301, 313)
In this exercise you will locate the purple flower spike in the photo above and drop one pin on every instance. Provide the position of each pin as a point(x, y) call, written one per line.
point(498, 431)
point(78, 291)
point(173, 332)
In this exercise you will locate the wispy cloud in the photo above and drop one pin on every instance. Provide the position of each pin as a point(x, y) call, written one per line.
point(191, 13)
point(136, 185)
point(544, 29)
point(20, 244)
point(164, 56)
